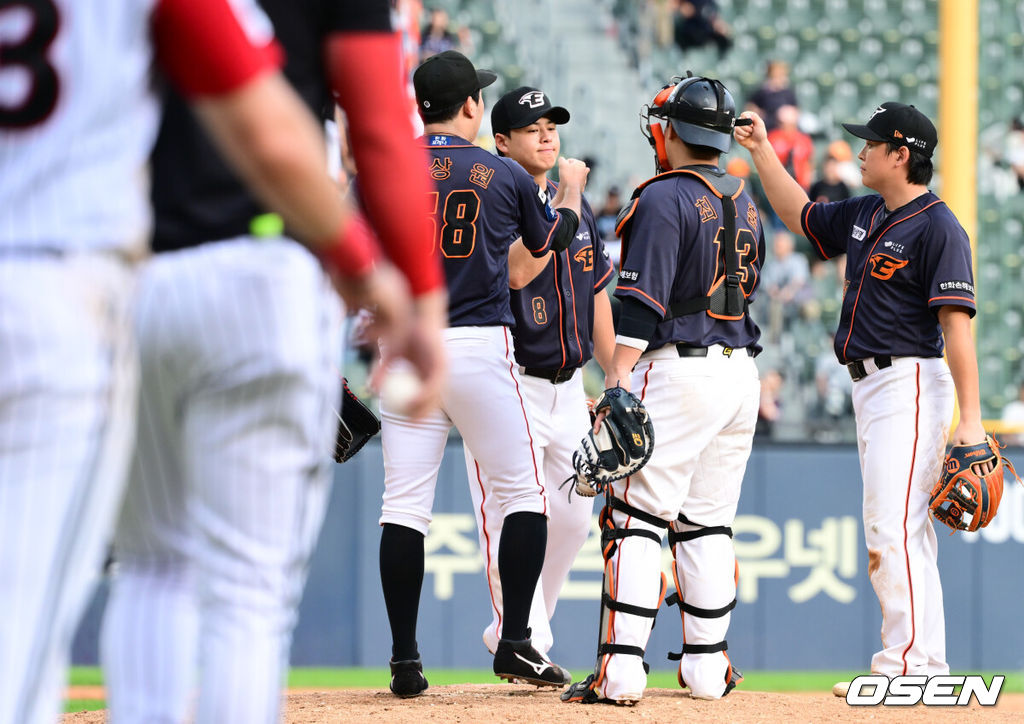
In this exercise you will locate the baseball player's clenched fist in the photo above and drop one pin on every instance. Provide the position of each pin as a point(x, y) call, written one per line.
point(573, 172)
point(750, 136)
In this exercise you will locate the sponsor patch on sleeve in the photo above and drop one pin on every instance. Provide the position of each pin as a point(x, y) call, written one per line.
point(956, 286)
point(629, 275)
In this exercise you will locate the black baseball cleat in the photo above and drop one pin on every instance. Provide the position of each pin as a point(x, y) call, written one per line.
point(582, 692)
point(519, 662)
point(735, 677)
point(407, 679)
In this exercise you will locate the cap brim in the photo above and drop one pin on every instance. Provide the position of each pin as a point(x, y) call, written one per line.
point(485, 77)
point(556, 114)
point(861, 131)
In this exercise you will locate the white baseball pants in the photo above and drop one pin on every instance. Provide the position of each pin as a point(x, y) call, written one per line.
point(239, 346)
point(560, 417)
point(68, 382)
point(483, 397)
point(703, 410)
point(903, 414)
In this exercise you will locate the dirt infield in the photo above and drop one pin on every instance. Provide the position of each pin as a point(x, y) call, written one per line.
point(494, 703)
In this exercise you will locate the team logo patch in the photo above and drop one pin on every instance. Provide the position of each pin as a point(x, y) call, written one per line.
point(629, 275)
point(859, 233)
point(884, 266)
point(533, 99)
point(751, 216)
point(957, 286)
point(877, 111)
point(585, 256)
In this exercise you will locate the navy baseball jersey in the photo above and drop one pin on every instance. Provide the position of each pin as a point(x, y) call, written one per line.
point(196, 197)
point(482, 204)
point(554, 313)
point(900, 268)
point(675, 254)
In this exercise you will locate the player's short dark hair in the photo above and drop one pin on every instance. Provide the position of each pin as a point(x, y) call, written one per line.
point(703, 153)
point(919, 168)
point(446, 114)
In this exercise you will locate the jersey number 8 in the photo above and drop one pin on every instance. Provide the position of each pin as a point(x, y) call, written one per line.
point(29, 52)
point(458, 231)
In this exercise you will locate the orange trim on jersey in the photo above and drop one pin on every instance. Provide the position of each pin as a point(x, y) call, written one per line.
point(906, 512)
point(962, 299)
point(597, 284)
point(640, 291)
point(807, 213)
point(487, 543)
point(575, 318)
point(863, 271)
point(526, 419)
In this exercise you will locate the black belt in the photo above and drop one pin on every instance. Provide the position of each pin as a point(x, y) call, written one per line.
point(688, 350)
point(857, 370)
point(556, 375)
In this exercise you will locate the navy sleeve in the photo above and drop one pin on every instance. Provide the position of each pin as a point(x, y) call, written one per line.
point(602, 262)
point(947, 273)
point(649, 269)
point(537, 220)
point(827, 227)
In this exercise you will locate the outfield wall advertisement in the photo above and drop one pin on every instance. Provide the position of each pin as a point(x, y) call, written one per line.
point(805, 601)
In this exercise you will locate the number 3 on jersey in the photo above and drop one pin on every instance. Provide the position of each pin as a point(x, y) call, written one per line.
point(458, 229)
point(27, 51)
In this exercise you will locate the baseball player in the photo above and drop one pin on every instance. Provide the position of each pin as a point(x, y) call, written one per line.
point(481, 204)
point(692, 249)
point(909, 288)
point(74, 214)
point(238, 333)
point(562, 318)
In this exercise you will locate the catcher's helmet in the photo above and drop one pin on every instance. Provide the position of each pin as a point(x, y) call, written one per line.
point(702, 113)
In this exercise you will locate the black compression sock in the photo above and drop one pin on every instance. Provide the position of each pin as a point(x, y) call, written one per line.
point(520, 559)
point(401, 575)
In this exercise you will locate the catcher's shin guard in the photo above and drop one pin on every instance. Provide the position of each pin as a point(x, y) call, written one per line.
point(705, 574)
point(633, 590)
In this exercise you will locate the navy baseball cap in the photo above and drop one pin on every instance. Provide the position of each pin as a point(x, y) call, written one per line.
point(448, 79)
point(523, 106)
point(900, 124)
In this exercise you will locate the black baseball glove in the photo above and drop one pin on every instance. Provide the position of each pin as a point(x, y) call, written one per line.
point(622, 445)
point(356, 425)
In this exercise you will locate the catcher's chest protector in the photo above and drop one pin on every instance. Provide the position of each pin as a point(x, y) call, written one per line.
point(725, 300)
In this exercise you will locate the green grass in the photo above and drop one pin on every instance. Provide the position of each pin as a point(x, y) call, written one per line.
point(360, 678)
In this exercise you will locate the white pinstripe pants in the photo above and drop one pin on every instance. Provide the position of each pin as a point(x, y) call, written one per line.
point(68, 381)
point(239, 344)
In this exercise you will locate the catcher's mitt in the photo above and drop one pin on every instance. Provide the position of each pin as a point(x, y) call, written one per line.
point(356, 425)
point(622, 445)
point(961, 498)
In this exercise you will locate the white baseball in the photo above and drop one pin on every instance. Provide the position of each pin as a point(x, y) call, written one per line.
point(399, 389)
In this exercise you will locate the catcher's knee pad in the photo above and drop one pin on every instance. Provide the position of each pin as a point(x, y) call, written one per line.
point(706, 575)
point(632, 593)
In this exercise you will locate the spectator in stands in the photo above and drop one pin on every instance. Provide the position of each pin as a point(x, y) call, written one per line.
point(830, 187)
point(771, 404)
point(1013, 414)
point(834, 402)
point(608, 212)
point(774, 92)
point(699, 22)
point(436, 36)
point(785, 279)
point(794, 148)
point(849, 167)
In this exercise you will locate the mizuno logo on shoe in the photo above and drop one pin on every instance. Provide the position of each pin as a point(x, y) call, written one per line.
point(537, 667)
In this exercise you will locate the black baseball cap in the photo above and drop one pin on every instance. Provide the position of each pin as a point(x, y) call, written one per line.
point(447, 79)
point(523, 106)
point(901, 124)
